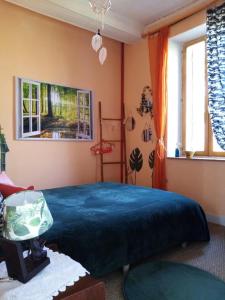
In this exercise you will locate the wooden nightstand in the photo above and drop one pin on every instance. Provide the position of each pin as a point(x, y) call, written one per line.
point(87, 288)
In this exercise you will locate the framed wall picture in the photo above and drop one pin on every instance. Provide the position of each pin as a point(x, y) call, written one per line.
point(49, 111)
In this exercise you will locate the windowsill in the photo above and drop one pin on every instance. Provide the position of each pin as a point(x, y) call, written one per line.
point(208, 158)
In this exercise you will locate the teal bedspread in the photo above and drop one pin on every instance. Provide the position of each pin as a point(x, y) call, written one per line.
point(107, 225)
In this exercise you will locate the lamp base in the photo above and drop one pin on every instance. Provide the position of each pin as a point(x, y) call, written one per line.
point(18, 267)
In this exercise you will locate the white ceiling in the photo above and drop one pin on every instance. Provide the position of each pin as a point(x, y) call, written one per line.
point(125, 22)
point(148, 11)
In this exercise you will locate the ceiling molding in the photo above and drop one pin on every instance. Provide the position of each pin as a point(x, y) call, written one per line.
point(80, 14)
point(125, 22)
point(178, 16)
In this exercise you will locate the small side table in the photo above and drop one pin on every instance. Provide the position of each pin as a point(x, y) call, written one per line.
point(87, 288)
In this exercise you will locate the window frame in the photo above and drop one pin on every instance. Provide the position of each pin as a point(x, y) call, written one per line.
point(208, 147)
point(84, 107)
point(30, 116)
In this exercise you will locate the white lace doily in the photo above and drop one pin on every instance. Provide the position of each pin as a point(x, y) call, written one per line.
point(60, 273)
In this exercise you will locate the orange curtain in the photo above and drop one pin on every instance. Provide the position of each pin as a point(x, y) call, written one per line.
point(158, 56)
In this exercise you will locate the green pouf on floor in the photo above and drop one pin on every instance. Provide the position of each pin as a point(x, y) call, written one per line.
point(172, 281)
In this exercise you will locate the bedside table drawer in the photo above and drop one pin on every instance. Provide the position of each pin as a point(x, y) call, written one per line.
point(87, 288)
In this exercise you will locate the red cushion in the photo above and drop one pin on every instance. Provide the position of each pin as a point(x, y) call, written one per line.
point(7, 189)
point(5, 179)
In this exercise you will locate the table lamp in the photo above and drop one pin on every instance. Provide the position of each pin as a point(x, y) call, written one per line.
point(26, 216)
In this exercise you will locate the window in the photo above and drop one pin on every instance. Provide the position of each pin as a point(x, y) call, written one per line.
point(84, 114)
point(49, 111)
point(30, 103)
point(196, 128)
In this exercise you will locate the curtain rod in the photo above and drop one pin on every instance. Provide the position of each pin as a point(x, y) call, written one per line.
point(209, 4)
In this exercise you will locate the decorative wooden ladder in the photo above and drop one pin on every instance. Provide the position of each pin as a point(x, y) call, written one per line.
point(122, 141)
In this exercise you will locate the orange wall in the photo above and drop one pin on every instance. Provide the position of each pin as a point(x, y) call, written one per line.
point(137, 76)
point(200, 180)
point(40, 48)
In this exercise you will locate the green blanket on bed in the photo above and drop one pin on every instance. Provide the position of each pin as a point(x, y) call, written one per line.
point(107, 225)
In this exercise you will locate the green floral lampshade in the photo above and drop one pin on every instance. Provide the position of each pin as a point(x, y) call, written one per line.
point(26, 216)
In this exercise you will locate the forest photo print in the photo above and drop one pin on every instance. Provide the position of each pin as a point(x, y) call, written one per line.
point(49, 111)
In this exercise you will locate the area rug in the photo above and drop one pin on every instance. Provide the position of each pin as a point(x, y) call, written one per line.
point(172, 281)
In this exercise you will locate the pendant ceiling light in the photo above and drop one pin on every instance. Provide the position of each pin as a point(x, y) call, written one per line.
point(96, 41)
point(100, 8)
point(102, 55)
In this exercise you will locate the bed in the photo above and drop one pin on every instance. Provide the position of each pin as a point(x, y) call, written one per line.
point(105, 226)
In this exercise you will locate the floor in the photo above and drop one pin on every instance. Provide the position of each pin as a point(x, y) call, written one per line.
point(207, 256)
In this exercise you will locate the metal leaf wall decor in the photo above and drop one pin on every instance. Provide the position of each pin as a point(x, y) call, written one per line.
point(136, 161)
point(147, 134)
point(130, 123)
point(151, 159)
point(146, 104)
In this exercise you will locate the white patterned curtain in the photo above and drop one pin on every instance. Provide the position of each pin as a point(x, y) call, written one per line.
point(216, 71)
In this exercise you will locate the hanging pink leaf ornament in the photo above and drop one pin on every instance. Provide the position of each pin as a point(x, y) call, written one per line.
point(102, 55)
point(96, 41)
